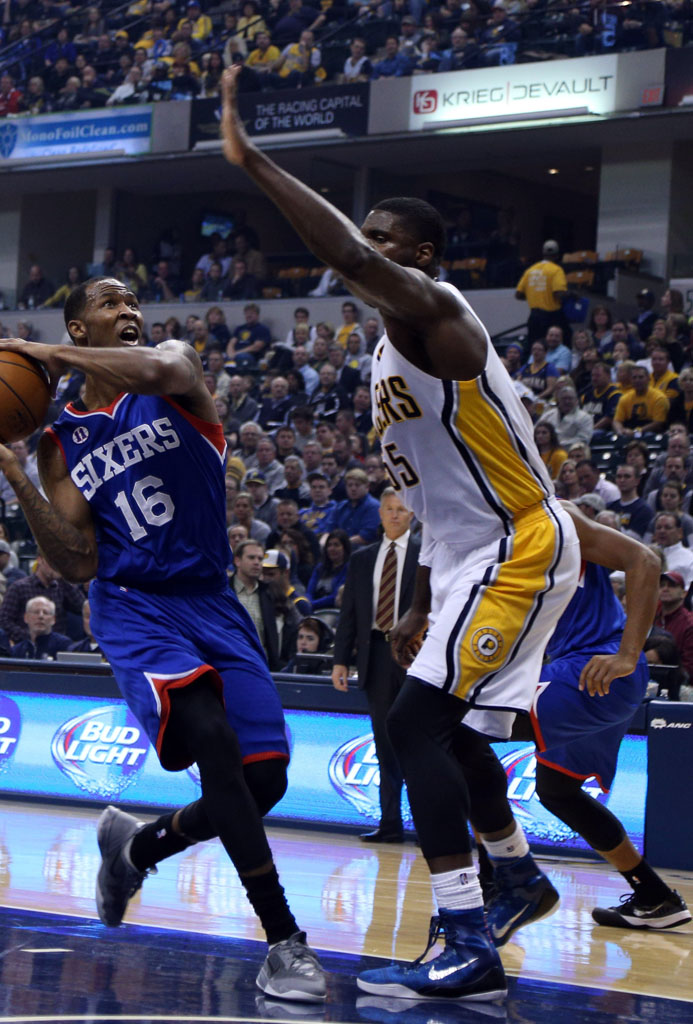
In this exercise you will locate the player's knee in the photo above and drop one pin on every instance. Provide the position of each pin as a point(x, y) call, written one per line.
point(399, 728)
point(403, 722)
point(267, 781)
point(555, 790)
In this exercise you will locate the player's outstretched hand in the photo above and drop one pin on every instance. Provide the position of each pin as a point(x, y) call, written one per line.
point(600, 671)
point(45, 354)
point(407, 637)
point(234, 139)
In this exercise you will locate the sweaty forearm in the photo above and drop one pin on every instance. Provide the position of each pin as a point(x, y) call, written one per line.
point(421, 601)
point(642, 593)
point(328, 233)
point(65, 547)
point(141, 371)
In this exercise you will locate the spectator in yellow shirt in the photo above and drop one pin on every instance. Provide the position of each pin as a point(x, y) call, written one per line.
point(202, 23)
point(664, 379)
point(552, 455)
point(543, 286)
point(299, 64)
point(351, 324)
point(250, 23)
point(643, 409)
point(262, 59)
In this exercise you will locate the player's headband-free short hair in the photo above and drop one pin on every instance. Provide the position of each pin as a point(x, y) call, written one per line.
point(77, 299)
point(422, 219)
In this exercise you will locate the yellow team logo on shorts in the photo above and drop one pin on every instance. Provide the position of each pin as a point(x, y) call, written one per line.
point(487, 644)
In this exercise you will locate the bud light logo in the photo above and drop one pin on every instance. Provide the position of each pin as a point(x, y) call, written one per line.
point(103, 751)
point(10, 727)
point(354, 772)
point(426, 101)
point(521, 768)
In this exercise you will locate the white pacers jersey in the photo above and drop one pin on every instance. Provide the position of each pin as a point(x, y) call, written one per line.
point(460, 454)
point(503, 555)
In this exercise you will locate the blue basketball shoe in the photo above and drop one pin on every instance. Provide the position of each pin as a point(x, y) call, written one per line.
point(523, 895)
point(468, 968)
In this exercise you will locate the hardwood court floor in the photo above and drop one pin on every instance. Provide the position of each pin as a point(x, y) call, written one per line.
point(190, 946)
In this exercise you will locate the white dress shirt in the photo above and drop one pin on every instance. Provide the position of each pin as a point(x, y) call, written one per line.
point(400, 551)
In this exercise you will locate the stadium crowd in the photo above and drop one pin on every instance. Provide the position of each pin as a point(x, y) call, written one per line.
point(612, 405)
point(58, 55)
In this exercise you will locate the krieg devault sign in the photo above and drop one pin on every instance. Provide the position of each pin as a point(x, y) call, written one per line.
point(342, 109)
point(512, 91)
point(128, 130)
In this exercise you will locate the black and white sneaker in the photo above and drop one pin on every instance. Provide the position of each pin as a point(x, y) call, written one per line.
point(118, 880)
point(633, 914)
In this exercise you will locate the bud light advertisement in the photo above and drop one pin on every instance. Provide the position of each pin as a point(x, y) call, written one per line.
point(355, 775)
point(102, 751)
point(87, 749)
point(10, 726)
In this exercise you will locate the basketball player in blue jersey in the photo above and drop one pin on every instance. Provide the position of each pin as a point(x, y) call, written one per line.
point(499, 559)
point(594, 679)
point(134, 475)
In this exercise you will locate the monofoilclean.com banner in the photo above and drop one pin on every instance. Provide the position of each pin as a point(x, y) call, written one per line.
point(127, 130)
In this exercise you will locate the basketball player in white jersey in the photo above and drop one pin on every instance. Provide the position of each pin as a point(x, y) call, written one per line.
point(499, 560)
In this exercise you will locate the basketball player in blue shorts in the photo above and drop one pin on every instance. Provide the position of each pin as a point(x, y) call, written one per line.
point(593, 681)
point(499, 559)
point(134, 475)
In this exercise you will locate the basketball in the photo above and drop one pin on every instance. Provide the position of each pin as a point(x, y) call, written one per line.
point(24, 396)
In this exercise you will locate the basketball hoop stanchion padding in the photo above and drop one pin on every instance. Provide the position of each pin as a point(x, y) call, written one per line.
point(669, 804)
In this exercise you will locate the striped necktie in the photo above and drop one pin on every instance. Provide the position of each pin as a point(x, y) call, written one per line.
point(385, 610)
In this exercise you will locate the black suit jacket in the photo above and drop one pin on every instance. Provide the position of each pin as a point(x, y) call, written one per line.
point(277, 654)
point(348, 379)
point(356, 614)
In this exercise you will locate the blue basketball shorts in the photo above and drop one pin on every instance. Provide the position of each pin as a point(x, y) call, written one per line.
point(578, 734)
point(157, 643)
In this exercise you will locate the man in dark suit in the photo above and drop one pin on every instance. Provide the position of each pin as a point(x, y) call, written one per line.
point(348, 379)
point(378, 590)
point(265, 602)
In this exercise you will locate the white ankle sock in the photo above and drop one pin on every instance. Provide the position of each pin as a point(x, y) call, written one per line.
point(457, 890)
point(512, 847)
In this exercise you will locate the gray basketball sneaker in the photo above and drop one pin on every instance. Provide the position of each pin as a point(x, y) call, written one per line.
point(292, 971)
point(117, 880)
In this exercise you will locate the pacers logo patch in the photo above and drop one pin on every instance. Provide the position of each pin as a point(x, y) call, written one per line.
point(487, 644)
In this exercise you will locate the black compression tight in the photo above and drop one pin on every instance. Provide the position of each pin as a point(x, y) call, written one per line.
point(564, 796)
point(489, 808)
point(228, 808)
point(423, 725)
point(266, 780)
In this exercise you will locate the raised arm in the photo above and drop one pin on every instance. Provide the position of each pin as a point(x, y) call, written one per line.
point(376, 267)
point(172, 368)
point(641, 566)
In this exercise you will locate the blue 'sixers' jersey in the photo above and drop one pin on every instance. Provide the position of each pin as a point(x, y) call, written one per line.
point(594, 616)
point(153, 475)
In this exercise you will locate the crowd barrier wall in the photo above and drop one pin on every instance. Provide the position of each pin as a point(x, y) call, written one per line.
point(497, 308)
point(67, 736)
